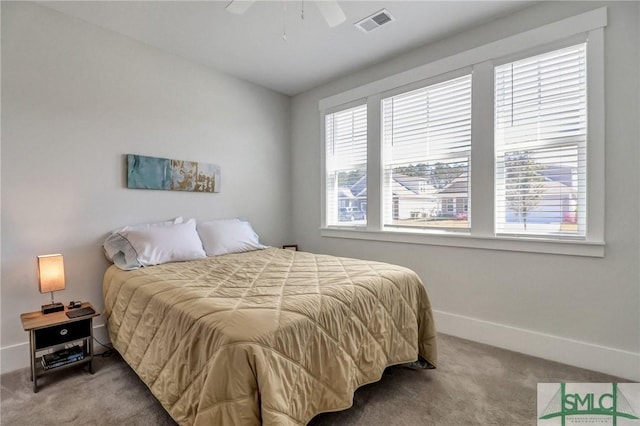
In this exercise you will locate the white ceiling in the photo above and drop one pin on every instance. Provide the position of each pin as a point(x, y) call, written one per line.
point(251, 46)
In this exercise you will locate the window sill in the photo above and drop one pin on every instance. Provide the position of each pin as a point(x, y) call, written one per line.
point(516, 244)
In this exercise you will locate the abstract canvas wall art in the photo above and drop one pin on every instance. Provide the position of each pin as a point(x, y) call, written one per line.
point(174, 175)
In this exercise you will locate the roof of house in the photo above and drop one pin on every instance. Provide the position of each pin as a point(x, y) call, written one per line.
point(344, 192)
point(359, 188)
point(459, 185)
point(403, 185)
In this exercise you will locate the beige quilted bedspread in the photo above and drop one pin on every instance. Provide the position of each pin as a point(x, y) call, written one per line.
point(268, 337)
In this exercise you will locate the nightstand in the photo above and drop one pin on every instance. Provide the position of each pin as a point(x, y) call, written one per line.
point(50, 334)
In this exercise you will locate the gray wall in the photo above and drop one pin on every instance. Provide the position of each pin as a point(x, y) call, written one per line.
point(558, 299)
point(75, 100)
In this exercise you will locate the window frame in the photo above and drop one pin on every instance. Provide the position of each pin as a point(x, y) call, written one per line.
point(354, 104)
point(423, 84)
point(568, 42)
point(588, 26)
point(351, 106)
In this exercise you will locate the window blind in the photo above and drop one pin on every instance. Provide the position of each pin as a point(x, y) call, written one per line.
point(540, 144)
point(427, 143)
point(346, 166)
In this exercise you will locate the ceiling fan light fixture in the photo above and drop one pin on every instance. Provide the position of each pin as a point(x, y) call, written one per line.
point(332, 12)
point(329, 9)
point(239, 7)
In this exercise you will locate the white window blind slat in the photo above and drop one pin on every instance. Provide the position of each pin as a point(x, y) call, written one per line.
point(540, 144)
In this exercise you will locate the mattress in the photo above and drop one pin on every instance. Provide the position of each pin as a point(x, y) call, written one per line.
point(269, 337)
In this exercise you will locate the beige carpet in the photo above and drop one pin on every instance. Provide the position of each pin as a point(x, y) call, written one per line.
point(474, 384)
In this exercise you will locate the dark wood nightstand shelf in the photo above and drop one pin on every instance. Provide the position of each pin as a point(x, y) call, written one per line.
point(51, 332)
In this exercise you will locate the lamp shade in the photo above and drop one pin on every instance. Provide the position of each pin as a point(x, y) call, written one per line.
point(51, 272)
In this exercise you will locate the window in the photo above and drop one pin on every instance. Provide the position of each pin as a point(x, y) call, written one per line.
point(427, 145)
point(540, 144)
point(486, 148)
point(346, 166)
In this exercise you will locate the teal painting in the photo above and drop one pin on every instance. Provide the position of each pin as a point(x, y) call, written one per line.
point(174, 175)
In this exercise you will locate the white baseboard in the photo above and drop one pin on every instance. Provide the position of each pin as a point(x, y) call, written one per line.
point(585, 355)
point(611, 361)
point(15, 357)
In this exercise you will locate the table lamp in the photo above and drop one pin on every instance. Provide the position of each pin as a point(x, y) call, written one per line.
point(51, 278)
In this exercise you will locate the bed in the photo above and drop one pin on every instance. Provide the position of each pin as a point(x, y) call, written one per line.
point(269, 337)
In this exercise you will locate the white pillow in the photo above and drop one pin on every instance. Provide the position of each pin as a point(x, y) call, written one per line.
point(228, 236)
point(156, 244)
point(118, 249)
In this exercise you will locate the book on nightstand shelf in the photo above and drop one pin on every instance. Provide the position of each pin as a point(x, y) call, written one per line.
point(62, 357)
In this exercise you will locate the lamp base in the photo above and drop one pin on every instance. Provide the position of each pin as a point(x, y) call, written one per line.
point(52, 307)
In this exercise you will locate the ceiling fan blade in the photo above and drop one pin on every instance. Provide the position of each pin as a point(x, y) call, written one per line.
point(331, 11)
point(239, 6)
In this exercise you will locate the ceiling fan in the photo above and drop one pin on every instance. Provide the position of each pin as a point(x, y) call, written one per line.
point(330, 10)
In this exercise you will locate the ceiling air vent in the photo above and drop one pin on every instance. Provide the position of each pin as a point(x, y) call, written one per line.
point(374, 21)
